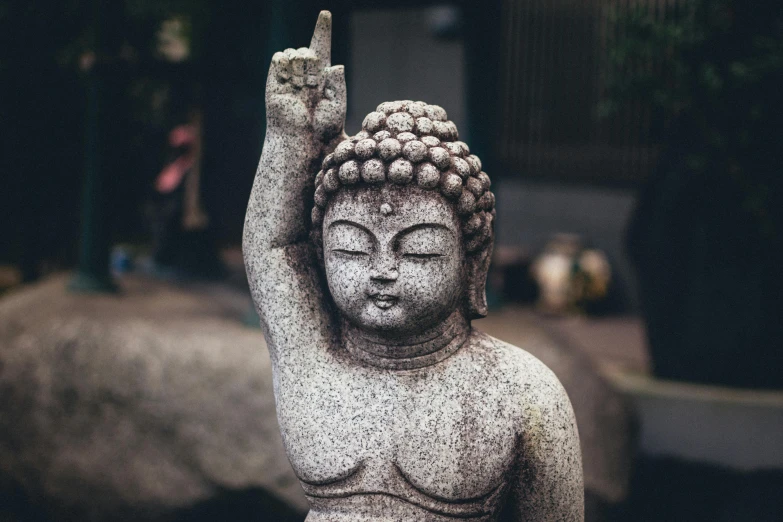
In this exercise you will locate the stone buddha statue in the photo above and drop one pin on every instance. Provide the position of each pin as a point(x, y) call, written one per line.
point(367, 259)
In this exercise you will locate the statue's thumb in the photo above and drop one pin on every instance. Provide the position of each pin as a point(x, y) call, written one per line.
point(334, 83)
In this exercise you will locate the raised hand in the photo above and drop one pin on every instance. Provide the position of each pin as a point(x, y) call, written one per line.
point(305, 94)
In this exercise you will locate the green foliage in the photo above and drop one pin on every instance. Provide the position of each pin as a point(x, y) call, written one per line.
point(679, 60)
point(634, 54)
point(711, 70)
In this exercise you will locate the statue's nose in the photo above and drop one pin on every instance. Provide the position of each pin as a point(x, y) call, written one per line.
point(384, 268)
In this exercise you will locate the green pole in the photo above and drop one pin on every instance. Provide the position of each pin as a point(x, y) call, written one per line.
point(92, 273)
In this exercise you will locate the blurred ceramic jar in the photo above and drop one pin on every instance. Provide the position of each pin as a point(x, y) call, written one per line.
point(570, 277)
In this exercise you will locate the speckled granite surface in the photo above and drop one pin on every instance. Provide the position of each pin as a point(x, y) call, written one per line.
point(367, 260)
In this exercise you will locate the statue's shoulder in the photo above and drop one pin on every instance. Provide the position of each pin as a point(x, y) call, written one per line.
point(526, 377)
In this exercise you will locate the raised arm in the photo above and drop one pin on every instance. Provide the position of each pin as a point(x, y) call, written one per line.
point(550, 484)
point(305, 102)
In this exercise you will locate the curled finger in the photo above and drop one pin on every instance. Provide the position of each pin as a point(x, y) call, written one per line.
point(282, 66)
point(297, 70)
point(311, 69)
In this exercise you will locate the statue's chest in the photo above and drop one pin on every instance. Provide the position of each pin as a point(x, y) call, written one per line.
point(446, 437)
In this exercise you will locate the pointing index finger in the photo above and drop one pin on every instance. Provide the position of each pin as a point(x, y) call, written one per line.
point(321, 44)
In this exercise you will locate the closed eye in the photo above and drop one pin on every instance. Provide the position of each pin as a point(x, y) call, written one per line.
point(422, 256)
point(350, 252)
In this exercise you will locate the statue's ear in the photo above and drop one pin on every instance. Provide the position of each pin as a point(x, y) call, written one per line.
point(477, 268)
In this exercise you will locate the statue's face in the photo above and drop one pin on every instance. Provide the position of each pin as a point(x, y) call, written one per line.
point(393, 258)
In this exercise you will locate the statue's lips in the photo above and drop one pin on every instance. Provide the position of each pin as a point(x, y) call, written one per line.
point(384, 301)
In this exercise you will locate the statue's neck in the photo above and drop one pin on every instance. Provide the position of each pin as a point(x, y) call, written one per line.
point(412, 352)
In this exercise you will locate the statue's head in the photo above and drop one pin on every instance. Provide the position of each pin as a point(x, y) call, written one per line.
point(403, 222)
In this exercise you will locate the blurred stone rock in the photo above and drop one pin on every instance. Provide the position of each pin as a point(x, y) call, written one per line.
point(140, 406)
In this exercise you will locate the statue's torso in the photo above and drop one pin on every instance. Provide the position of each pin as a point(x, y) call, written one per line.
point(436, 442)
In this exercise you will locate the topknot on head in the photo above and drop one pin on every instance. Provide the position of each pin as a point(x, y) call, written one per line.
point(407, 116)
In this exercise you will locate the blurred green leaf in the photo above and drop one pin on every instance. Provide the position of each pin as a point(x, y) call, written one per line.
point(716, 68)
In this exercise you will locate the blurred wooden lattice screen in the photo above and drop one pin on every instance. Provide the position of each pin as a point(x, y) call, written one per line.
point(553, 64)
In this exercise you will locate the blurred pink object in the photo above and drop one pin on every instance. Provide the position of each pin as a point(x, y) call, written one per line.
point(182, 135)
point(171, 176)
point(173, 173)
